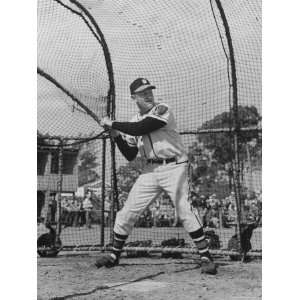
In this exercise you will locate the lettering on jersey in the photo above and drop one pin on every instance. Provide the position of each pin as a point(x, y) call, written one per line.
point(160, 110)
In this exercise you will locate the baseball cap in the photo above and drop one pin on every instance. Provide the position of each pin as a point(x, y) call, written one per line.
point(139, 85)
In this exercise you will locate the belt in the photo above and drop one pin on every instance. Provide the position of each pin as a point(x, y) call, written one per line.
point(161, 161)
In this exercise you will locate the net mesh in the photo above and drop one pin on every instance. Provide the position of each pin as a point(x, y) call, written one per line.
point(70, 53)
point(181, 47)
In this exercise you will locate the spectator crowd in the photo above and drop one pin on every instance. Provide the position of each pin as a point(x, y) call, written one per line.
point(77, 211)
point(214, 212)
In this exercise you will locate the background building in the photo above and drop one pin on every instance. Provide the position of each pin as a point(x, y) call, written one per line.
point(48, 177)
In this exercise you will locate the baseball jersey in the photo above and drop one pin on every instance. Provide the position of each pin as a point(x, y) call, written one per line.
point(162, 143)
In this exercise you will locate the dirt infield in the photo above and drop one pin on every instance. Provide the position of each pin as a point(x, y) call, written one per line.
point(75, 277)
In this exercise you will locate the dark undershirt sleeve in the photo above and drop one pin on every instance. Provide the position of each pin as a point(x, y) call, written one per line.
point(129, 153)
point(139, 128)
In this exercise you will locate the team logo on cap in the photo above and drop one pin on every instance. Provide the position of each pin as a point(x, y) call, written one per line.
point(140, 84)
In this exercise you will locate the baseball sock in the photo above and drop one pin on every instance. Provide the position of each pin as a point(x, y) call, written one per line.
point(201, 243)
point(118, 243)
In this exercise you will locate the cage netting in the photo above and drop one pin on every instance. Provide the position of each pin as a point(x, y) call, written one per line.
point(182, 48)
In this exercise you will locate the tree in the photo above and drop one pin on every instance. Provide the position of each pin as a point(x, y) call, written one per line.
point(221, 143)
point(88, 164)
point(212, 152)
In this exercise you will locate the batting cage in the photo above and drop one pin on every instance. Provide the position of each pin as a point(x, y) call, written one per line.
point(204, 57)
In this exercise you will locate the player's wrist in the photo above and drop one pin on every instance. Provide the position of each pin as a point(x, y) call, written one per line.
point(113, 125)
point(114, 133)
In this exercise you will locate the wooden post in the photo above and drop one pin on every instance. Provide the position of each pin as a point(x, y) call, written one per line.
point(251, 188)
point(114, 196)
point(112, 215)
point(45, 211)
point(236, 123)
point(47, 192)
point(59, 185)
point(102, 234)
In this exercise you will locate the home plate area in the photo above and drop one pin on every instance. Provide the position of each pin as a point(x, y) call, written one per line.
point(76, 277)
point(142, 286)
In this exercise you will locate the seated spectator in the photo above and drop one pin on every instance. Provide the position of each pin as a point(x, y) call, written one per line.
point(202, 201)
point(194, 200)
point(163, 221)
point(214, 222)
point(225, 219)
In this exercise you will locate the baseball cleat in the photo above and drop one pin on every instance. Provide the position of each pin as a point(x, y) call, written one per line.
point(107, 260)
point(208, 266)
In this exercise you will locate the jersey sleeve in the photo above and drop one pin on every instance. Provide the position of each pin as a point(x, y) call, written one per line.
point(161, 112)
point(130, 140)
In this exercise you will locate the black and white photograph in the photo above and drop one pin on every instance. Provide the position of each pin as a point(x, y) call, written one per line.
point(149, 149)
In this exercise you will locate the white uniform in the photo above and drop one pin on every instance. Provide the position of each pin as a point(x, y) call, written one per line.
point(172, 177)
point(163, 143)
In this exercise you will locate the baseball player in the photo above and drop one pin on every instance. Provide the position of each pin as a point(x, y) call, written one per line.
point(152, 132)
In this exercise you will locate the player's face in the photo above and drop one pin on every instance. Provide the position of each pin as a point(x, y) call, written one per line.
point(144, 100)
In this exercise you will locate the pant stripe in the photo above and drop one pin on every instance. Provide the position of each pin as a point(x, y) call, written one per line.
point(197, 234)
point(116, 249)
point(199, 239)
point(121, 240)
point(203, 250)
point(118, 243)
point(120, 236)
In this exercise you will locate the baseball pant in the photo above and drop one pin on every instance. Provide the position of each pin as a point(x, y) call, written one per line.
point(171, 178)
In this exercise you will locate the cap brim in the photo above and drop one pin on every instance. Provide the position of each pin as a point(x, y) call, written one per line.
point(144, 87)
